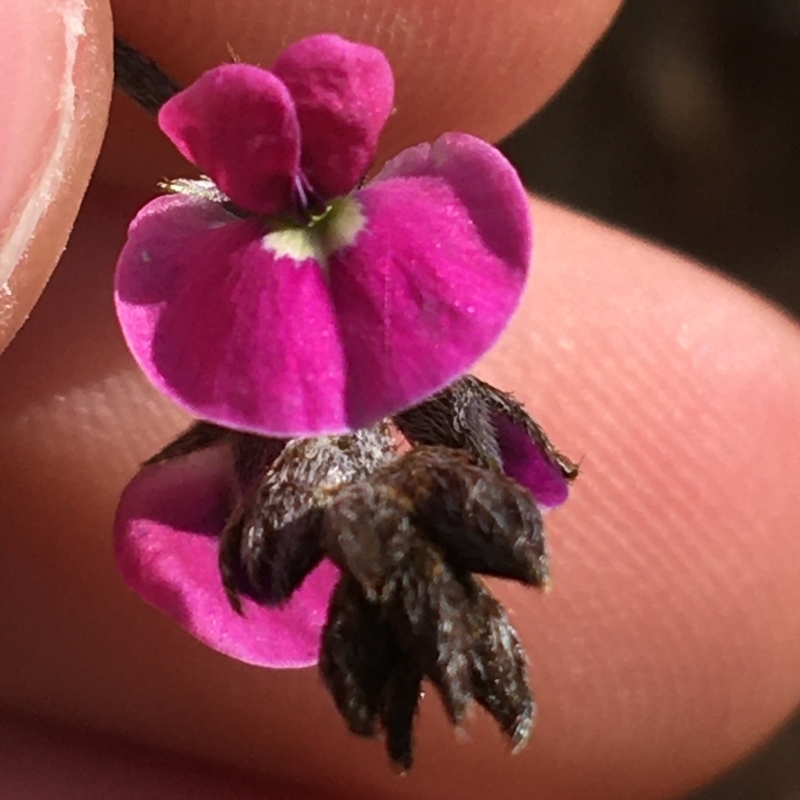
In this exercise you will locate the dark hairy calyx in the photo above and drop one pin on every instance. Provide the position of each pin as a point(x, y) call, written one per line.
point(411, 533)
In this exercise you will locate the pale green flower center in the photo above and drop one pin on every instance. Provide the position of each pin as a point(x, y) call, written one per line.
point(336, 227)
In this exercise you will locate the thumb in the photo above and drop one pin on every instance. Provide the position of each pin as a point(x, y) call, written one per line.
point(55, 86)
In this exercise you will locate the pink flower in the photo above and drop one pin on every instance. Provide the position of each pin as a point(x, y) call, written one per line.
point(281, 296)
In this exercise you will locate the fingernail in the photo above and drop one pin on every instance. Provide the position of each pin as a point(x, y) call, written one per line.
point(50, 77)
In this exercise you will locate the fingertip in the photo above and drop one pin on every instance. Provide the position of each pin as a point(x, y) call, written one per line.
point(55, 89)
point(39, 761)
point(670, 644)
point(470, 66)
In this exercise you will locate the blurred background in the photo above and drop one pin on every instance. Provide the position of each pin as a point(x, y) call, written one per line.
point(684, 127)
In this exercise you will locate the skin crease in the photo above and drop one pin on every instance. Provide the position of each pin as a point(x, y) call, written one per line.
point(669, 645)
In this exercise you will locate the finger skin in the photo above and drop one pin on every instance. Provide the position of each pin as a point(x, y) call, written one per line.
point(460, 65)
point(668, 646)
point(55, 89)
point(676, 564)
point(41, 762)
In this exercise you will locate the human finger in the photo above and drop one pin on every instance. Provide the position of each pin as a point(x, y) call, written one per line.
point(462, 65)
point(40, 761)
point(668, 646)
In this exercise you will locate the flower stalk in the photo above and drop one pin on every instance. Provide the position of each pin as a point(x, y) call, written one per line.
point(140, 78)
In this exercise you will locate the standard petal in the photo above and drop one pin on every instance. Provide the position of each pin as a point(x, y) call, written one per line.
point(486, 187)
point(432, 277)
point(343, 92)
point(413, 162)
point(238, 124)
point(166, 546)
point(527, 463)
point(236, 330)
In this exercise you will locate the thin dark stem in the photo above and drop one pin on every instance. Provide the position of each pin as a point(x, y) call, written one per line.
point(141, 78)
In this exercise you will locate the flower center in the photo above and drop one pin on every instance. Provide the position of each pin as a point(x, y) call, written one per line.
point(319, 236)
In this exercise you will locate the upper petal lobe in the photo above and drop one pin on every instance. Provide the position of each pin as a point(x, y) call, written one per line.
point(343, 92)
point(238, 124)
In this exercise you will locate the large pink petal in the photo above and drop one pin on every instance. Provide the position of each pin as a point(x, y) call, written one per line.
point(527, 463)
point(433, 276)
point(224, 327)
point(407, 285)
point(166, 530)
point(343, 92)
point(238, 124)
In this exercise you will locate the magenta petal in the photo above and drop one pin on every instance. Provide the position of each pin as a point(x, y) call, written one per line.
point(485, 185)
point(166, 530)
point(343, 92)
point(227, 329)
point(413, 162)
point(432, 278)
point(238, 124)
point(527, 463)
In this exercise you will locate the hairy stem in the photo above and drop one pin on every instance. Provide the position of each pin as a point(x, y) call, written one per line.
point(141, 78)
